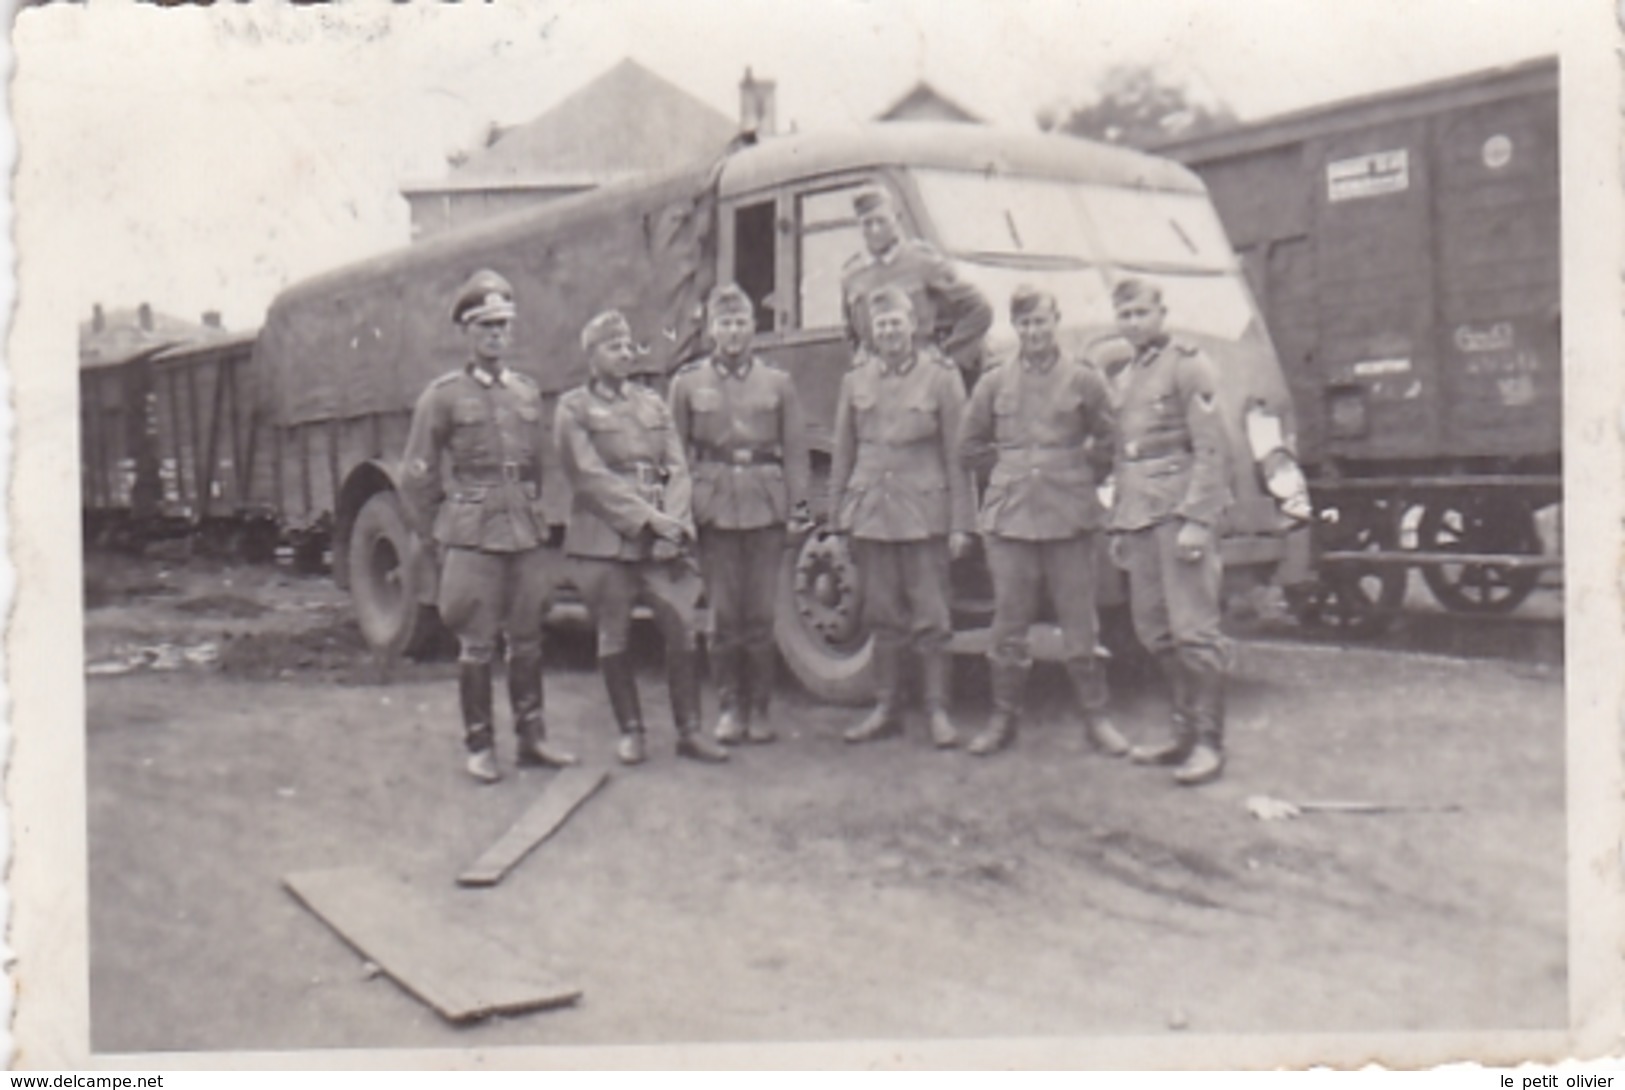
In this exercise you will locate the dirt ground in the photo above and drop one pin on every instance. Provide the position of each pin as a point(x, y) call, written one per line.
point(238, 732)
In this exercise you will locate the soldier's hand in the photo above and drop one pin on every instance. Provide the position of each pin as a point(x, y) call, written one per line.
point(1194, 541)
point(666, 550)
point(801, 520)
point(958, 544)
point(667, 528)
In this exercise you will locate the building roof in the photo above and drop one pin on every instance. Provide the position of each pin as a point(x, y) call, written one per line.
point(923, 102)
point(122, 335)
point(626, 122)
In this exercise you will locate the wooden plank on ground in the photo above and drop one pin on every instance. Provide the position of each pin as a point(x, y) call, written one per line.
point(461, 972)
point(568, 790)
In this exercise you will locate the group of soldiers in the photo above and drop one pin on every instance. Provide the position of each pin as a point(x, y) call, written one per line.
point(694, 494)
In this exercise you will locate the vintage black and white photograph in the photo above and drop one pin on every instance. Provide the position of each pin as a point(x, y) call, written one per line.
point(868, 530)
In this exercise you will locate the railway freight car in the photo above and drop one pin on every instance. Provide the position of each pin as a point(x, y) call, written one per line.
point(1405, 251)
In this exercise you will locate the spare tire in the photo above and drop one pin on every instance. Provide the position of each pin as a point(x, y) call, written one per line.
point(818, 620)
point(385, 573)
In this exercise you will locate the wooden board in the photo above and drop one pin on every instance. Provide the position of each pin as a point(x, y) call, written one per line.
point(569, 789)
point(460, 972)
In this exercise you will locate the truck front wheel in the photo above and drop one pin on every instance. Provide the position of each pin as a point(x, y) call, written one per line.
point(382, 584)
point(818, 620)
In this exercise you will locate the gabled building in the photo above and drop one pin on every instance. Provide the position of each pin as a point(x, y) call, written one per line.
point(625, 123)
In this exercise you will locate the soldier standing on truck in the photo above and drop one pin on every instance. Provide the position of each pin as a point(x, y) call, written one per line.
point(898, 489)
point(948, 313)
point(1172, 486)
point(630, 531)
point(740, 422)
point(1043, 422)
point(481, 426)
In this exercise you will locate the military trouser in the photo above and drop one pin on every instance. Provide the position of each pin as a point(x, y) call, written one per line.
point(483, 593)
point(1022, 570)
point(905, 591)
point(1175, 603)
point(741, 570)
point(671, 588)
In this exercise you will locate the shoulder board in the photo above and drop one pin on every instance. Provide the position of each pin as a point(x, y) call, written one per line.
point(932, 354)
point(921, 247)
point(769, 364)
point(856, 261)
point(523, 379)
point(1184, 348)
point(447, 379)
point(691, 365)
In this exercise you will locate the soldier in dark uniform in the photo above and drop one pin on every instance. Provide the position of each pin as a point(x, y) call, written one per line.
point(1044, 424)
point(1172, 487)
point(631, 530)
point(472, 484)
point(897, 487)
point(948, 313)
point(742, 428)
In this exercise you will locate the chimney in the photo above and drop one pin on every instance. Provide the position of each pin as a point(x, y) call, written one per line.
point(758, 105)
point(211, 320)
point(143, 317)
point(98, 319)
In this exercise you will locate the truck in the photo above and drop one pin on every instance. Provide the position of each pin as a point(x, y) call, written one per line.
point(1406, 250)
point(342, 357)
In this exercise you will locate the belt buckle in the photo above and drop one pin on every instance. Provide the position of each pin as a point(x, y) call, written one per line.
point(740, 456)
point(510, 472)
point(1131, 450)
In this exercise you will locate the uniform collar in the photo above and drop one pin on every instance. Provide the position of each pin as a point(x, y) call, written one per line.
point(485, 378)
point(898, 369)
point(1042, 365)
point(602, 391)
point(737, 371)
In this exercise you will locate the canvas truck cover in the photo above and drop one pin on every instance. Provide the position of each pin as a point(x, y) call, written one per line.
point(368, 338)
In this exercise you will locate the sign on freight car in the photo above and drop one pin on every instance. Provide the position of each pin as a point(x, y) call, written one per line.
point(1368, 175)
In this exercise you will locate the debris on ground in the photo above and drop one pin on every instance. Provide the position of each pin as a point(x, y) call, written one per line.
point(158, 656)
point(1265, 808)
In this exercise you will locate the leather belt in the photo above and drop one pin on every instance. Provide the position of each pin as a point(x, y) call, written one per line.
point(645, 473)
point(739, 456)
point(1134, 450)
point(506, 473)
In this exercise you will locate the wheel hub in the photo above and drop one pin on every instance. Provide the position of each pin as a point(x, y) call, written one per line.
point(827, 589)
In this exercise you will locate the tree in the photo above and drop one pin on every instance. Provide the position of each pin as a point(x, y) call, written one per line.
point(1135, 105)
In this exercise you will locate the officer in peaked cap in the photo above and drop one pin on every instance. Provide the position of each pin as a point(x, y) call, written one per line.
point(472, 484)
point(1171, 490)
point(898, 489)
point(742, 427)
point(1043, 423)
point(948, 313)
point(631, 531)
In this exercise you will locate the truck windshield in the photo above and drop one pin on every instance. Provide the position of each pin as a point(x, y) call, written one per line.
point(1026, 221)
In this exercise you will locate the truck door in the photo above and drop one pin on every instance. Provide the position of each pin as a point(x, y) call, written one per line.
point(787, 250)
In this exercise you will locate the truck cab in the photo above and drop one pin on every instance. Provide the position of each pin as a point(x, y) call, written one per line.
point(1008, 209)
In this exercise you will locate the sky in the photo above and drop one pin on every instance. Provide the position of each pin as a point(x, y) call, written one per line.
point(203, 159)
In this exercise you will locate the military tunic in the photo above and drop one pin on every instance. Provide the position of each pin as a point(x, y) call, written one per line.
point(472, 483)
point(897, 486)
point(624, 461)
point(742, 428)
point(949, 314)
point(1046, 428)
point(1172, 468)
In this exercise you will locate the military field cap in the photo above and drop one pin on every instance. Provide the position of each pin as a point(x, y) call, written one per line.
point(1027, 299)
point(728, 299)
point(603, 328)
point(871, 199)
point(1135, 288)
point(888, 300)
point(483, 296)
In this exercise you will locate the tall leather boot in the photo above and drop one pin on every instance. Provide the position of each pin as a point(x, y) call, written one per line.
point(683, 682)
point(1175, 751)
point(1206, 759)
point(621, 686)
point(474, 694)
point(883, 721)
point(1088, 676)
point(1009, 694)
point(525, 697)
point(731, 713)
point(936, 682)
point(761, 670)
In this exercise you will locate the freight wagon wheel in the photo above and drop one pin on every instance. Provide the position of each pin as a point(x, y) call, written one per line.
point(1357, 599)
point(817, 624)
point(393, 622)
point(1479, 524)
